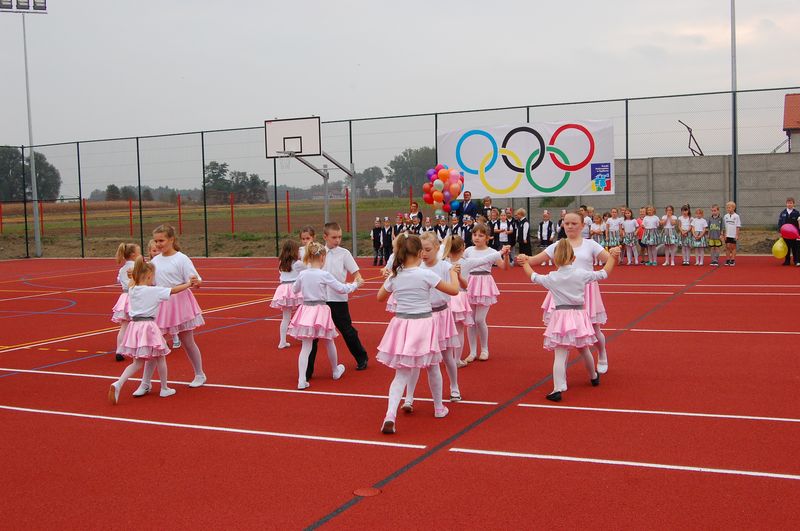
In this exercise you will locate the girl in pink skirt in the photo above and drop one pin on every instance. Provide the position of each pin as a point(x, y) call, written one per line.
point(181, 314)
point(152, 252)
point(391, 304)
point(312, 320)
point(127, 253)
point(412, 341)
point(453, 251)
point(143, 341)
point(285, 299)
point(569, 325)
point(481, 289)
point(586, 252)
point(443, 317)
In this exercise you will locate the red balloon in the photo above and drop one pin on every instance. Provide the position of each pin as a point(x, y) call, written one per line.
point(427, 198)
point(426, 188)
point(438, 168)
point(438, 196)
point(446, 207)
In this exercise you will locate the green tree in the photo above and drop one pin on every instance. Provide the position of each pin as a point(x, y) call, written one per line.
point(129, 192)
point(147, 194)
point(48, 178)
point(408, 169)
point(113, 193)
point(367, 181)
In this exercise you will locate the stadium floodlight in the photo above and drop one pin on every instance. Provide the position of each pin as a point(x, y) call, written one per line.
point(23, 7)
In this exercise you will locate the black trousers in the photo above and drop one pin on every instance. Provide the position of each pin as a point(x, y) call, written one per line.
point(387, 252)
point(340, 313)
point(525, 248)
point(794, 247)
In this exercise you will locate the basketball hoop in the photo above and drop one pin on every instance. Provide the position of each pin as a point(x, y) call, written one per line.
point(285, 159)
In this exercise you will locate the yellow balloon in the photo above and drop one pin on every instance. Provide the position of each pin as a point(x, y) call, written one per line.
point(779, 249)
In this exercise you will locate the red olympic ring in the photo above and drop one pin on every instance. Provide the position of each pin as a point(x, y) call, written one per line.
point(584, 162)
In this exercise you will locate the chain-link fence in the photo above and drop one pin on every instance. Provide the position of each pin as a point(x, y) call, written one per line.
point(226, 199)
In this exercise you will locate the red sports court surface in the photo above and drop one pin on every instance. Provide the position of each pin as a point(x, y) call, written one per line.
point(696, 424)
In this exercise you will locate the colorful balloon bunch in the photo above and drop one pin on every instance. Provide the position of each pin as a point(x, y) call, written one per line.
point(443, 189)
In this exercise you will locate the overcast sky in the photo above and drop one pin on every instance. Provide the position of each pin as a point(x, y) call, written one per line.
point(126, 68)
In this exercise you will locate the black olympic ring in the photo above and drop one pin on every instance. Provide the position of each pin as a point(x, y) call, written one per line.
point(538, 160)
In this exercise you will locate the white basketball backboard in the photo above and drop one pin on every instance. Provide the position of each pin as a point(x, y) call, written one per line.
point(298, 136)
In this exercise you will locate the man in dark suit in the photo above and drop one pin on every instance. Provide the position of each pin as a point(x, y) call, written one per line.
point(467, 207)
point(791, 216)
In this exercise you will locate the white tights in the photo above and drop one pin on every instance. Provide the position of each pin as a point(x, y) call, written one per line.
point(561, 356)
point(685, 252)
point(699, 254)
point(287, 316)
point(192, 351)
point(402, 377)
point(632, 252)
point(602, 355)
point(450, 357)
point(305, 351)
point(134, 367)
point(669, 254)
point(122, 327)
point(481, 330)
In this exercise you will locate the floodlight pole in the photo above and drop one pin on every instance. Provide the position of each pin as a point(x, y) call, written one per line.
point(326, 191)
point(734, 118)
point(34, 192)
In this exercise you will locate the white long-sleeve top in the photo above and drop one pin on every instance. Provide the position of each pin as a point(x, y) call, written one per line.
point(567, 283)
point(297, 266)
point(411, 288)
point(442, 270)
point(584, 255)
point(173, 270)
point(122, 276)
point(478, 260)
point(315, 285)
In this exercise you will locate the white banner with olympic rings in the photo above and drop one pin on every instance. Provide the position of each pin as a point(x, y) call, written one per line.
point(533, 160)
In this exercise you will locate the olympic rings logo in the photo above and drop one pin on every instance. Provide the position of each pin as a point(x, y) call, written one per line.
point(534, 160)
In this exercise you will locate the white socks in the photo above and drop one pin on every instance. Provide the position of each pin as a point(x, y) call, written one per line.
point(287, 316)
point(480, 332)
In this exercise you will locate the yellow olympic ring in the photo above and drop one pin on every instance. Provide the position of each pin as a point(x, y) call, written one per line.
point(482, 172)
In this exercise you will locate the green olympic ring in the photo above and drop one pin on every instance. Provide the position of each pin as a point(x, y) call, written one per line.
point(543, 189)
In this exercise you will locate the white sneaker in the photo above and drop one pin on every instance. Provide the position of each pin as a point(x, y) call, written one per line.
point(407, 407)
point(198, 381)
point(284, 345)
point(470, 358)
point(142, 390)
point(167, 391)
point(484, 356)
point(338, 372)
point(602, 367)
point(303, 385)
point(176, 342)
point(441, 413)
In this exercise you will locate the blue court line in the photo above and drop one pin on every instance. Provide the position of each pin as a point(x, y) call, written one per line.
point(70, 304)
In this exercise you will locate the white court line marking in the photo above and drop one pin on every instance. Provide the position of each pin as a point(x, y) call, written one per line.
point(213, 428)
point(740, 293)
point(49, 293)
point(637, 464)
point(666, 413)
point(115, 329)
point(645, 330)
point(237, 387)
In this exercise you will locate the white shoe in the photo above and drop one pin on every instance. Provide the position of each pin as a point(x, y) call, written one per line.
point(470, 358)
point(167, 391)
point(338, 372)
point(461, 364)
point(441, 413)
point(455, 396)
point(407, 407)
point(602, 367)
point(303, 385)
point(113, 394)
point(142, 390)
point(484, 356)
point(198, 381)
point(176, 342)
point(284, 345)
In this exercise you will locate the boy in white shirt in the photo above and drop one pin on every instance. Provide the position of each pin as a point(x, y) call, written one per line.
point(339, 262)
point(732, 225)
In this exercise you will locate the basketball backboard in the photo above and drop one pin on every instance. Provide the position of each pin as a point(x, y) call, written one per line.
point(292, 137)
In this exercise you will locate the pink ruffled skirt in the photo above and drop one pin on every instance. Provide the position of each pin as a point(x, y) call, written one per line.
point(569, 329)
point(312, 322)
point(285, 297)
point(591, 299)
point(446, 325)
point(461, 309)
point(482, 290)
point(179, 313)
point(143, 339)
point(410, 343)
point(391, 304)
point(120, 309)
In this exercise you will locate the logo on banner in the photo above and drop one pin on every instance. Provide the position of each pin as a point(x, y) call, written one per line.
point(513, 161)
point(601, 177)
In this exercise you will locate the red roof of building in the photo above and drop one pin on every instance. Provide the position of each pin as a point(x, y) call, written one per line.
point(791, 112)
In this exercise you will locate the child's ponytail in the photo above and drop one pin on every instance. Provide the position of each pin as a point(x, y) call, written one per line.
point(125, 251)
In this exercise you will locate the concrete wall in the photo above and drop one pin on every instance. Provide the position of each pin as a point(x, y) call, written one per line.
point(765, 180)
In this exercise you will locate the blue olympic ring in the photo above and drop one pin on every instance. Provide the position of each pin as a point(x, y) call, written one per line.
point(484, 134)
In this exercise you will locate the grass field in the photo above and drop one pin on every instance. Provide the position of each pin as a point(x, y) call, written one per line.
point(109, 222)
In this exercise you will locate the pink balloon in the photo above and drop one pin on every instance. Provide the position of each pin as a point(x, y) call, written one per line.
point(438, 167)
point(790, 232)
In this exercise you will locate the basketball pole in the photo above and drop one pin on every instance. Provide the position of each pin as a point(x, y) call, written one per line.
point(34, 190)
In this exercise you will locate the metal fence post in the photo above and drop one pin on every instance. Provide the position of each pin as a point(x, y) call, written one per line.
point(139, 185)
point(80, 195)
point(25, 202)
point(353, 228)
point(275, 201)
point(205, 208)
point(627, 160)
